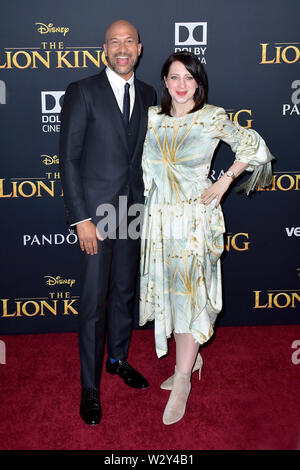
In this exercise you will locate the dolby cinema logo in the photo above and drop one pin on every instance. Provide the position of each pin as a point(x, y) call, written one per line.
point(51, 103)
point(192, 37)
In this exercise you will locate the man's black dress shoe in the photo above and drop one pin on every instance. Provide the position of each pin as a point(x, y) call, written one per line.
point(130, 376)
point(90, 409)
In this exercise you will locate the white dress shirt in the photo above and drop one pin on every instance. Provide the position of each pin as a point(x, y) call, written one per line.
point(117, 84)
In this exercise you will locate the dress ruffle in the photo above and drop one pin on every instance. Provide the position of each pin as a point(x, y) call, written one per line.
point(261, 178)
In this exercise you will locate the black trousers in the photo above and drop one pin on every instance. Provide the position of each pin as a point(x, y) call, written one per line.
point(108, 283)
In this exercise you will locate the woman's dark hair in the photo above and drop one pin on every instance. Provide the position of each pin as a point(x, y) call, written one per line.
point(196, 69)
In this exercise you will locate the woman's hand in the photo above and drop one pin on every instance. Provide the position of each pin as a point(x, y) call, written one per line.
point(216, 190)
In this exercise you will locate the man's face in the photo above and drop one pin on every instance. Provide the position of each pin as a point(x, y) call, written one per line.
point(122, 48)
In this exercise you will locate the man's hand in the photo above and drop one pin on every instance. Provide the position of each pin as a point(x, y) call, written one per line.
point(87, 235)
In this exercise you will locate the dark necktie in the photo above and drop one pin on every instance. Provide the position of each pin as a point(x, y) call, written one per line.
point(126, 104)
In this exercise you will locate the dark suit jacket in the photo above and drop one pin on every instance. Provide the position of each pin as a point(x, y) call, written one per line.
point(95, 163)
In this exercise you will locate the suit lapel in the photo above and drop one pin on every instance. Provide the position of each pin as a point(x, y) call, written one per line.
point(112, 108)
point(143, 119)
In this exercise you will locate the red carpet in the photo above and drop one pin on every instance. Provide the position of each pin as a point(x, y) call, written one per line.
point(247, 399)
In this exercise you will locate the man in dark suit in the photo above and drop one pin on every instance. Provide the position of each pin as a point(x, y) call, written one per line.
point(104, 121)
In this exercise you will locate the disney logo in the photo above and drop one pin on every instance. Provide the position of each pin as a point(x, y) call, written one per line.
point(48, 160)
point(49, 28)
point(53, 281)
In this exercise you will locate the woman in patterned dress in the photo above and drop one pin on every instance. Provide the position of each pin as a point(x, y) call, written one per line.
point(182, 238)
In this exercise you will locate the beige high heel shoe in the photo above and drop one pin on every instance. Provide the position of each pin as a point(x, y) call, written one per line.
point(168, 383)
point(175, 407)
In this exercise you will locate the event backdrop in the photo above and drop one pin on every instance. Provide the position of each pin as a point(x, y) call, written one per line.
point(251, 51)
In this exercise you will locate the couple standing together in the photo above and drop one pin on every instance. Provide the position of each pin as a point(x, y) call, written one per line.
point(115, 142)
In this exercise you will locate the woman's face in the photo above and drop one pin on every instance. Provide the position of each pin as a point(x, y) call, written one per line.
point(181, 84)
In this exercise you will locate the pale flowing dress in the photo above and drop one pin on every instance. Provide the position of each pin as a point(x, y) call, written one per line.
point(182, 239)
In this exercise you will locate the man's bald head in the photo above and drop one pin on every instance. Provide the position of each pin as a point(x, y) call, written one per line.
point(122, 47)
point(121, 26)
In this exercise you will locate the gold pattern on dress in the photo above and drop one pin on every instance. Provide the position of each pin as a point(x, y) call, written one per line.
point(169, 149)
